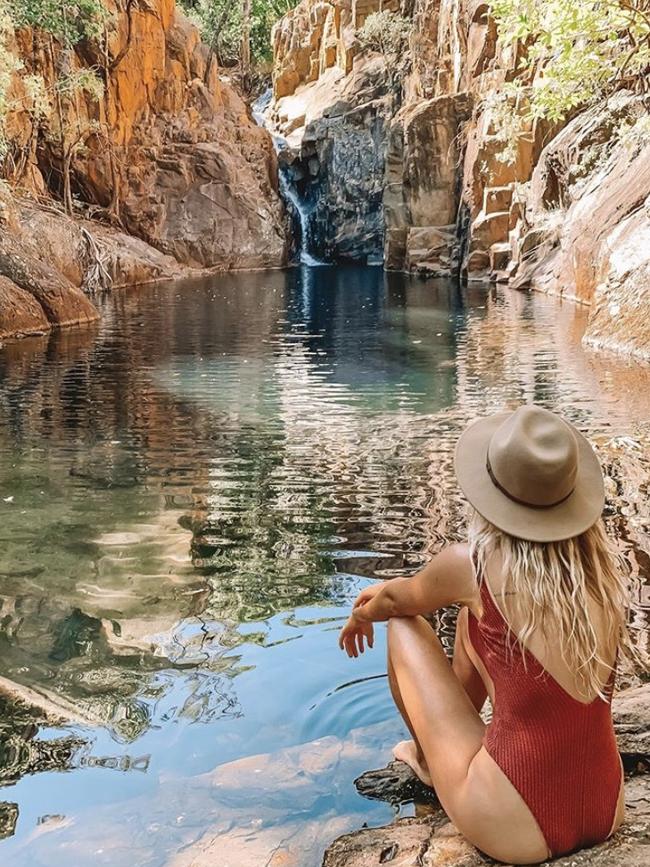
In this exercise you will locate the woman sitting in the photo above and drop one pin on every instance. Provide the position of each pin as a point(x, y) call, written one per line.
point(542, 620)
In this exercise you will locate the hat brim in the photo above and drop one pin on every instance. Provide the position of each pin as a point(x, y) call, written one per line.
point(570, 518)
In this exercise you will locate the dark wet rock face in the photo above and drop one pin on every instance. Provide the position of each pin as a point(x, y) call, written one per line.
point(334, 162)
point(396, 784)
point(347, 156)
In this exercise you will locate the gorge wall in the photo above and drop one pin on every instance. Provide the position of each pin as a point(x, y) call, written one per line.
point(172, 163)
point(560, 208)
point(332, 107)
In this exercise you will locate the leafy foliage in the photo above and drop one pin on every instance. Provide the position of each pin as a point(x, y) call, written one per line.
point(576, 50)
point(385, 32)
point(220, 23)
point(69, 21)
point(388, 33)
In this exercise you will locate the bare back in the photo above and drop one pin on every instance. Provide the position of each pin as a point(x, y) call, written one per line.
point(546, 650)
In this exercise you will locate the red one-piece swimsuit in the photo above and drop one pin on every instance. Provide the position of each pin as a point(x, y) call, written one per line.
point(558, 752)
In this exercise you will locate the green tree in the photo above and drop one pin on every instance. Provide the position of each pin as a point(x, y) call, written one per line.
point(59, 25)
point(69, 21)
point(222, 26)
point(575, 50)
point(388, 33)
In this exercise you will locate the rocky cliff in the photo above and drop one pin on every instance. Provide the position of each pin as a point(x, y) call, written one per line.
point(171, 156)
point(332, 107)
point(561, 208)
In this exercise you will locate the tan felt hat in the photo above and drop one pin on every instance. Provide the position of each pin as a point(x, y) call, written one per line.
point(531, 474)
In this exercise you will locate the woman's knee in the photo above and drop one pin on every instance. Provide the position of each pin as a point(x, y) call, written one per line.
point(404, 631)
point(400, 626)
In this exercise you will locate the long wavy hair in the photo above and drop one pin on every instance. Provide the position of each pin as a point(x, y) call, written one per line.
point(549, 585)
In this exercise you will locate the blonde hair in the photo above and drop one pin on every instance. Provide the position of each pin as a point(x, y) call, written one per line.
point(551, 584)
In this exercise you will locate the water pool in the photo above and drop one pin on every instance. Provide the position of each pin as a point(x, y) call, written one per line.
point(192, 492)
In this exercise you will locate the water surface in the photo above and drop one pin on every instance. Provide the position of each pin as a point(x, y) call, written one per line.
point(191, 494)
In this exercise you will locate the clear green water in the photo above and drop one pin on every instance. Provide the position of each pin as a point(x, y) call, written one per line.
point(190, 496)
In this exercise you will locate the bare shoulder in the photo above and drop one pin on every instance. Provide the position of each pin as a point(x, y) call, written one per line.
point(458, 555)
point(452, 570)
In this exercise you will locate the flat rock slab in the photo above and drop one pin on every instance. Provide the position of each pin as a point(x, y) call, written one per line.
point(430, 842)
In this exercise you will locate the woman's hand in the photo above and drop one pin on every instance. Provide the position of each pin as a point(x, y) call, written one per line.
point(353, 634)
point(368, 593)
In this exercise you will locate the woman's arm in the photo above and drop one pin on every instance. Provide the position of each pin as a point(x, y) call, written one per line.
point(446, 579)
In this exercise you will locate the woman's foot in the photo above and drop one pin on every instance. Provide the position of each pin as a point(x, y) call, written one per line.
point(407, 751)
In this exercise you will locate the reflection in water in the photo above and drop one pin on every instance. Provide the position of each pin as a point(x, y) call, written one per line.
point(191, 494)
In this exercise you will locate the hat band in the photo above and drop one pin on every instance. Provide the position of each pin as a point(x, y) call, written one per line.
point(514, 499)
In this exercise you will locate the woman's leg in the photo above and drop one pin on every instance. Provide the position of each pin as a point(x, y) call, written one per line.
point(476, 795)
point(410, 752)
point(425, 686)
point(463, 666)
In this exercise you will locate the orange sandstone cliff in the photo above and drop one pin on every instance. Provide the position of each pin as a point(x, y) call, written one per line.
point(423, 170)
point(174, 166)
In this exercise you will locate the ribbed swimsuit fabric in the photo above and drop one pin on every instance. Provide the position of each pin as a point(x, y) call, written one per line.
point(559, 753)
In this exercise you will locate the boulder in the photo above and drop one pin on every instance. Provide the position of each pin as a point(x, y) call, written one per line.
point(61, 301)
point(20, 312)
point(49, 261)
point(431, 250)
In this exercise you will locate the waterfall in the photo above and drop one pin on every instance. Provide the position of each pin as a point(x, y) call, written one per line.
point(288, 192)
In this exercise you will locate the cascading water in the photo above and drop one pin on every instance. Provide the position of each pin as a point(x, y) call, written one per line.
point(290, 195)
point(288, 191)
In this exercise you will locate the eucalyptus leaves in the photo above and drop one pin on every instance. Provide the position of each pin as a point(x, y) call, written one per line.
point(574, 51)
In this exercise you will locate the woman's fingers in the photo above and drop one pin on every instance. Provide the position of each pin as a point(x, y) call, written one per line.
point(351, 638)
point(346, 640)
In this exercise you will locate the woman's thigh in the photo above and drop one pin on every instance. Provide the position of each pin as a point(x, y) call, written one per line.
point(447, 724)
point(476, 795)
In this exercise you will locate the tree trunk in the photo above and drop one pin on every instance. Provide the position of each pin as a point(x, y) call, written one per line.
point(114, 204)
point(67, 186)
point(246, 42)
point(58, 104)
